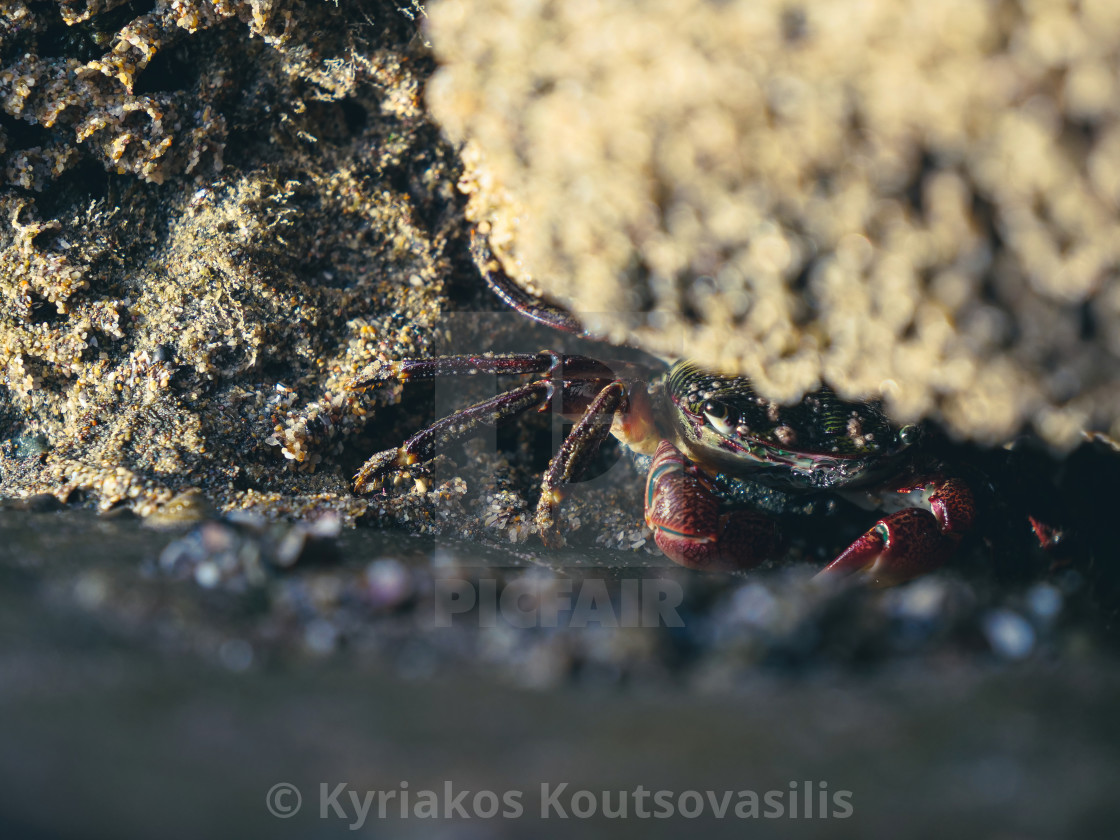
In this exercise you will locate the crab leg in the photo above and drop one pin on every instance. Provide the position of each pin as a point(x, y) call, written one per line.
point(912, 541)
point(513, 296)
point(575, 395)
point(418, 370)
point(579, 447)
point(687, 522)
point(424, 445)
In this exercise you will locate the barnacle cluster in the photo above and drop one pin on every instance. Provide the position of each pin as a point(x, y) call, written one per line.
point(911, 200)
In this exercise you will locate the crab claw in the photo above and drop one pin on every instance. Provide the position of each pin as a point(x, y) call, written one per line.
point(687, 523)
point(901, 546)
point(910, 542)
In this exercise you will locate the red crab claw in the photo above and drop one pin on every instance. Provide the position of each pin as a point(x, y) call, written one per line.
point(687, 524)
point(910, 542)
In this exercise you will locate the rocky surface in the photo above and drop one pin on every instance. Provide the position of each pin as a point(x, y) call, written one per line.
point(261, 209)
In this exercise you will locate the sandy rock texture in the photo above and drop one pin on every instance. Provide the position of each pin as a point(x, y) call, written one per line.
point(212, 214)
point(903, 199)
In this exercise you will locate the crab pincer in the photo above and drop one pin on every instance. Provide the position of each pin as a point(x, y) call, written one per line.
point(913, 541)
point(688, 525)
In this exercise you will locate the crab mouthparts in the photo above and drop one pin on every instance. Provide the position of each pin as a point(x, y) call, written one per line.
point(765, 453)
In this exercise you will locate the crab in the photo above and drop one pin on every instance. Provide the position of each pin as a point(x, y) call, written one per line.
point(721, 460)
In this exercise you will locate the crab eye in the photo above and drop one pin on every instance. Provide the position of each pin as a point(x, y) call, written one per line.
point(718, 416)
point(908, 435)
point(716, 410)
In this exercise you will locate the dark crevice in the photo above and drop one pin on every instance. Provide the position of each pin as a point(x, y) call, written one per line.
point(355, 114)
point(637, 277)
point(464, 286)
point(914, 192)
point(45, 312)
point(169, 70)
point(984, 214)
point(1087, 322)
point(795, 25)
point(22, 134)
point(91, 38)
point(430, 207)
point(85, 182)
point(689, 313)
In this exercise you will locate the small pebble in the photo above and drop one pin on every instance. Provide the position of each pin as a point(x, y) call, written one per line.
point(327, 526)
point(217, 537)
point(207, 575)
point(30, 446)
point(1044, 601)
point(248, 519)
point(290, 547)
point(387, 582)
point(91, 590)
point(1010, 635)
point(921, 600)
point(753, 604)
point(185, 508)
point(320, 637)
point(236, 655)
